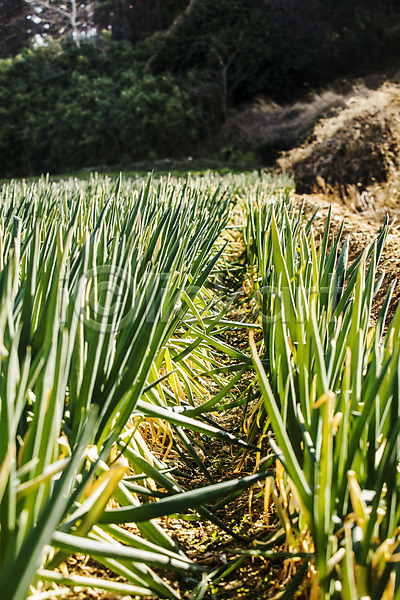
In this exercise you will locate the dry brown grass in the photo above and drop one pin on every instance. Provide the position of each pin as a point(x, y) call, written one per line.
point(356, 152)
point(268, 123)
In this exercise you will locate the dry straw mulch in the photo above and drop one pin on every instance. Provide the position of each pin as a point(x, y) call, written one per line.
point(359, 146)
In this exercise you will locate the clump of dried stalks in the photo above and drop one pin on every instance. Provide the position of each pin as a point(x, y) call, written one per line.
point(354, 153)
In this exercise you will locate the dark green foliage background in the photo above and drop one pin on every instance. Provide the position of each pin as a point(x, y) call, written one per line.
point(64, 108)
point(110, 103)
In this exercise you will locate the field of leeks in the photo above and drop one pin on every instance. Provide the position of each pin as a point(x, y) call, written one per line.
point(113, 355)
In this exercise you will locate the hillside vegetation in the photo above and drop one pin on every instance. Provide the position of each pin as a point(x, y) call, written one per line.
point(116, 99)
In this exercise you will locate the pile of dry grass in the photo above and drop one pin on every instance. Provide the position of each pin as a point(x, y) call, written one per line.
point(359, 146)
point(268, 128)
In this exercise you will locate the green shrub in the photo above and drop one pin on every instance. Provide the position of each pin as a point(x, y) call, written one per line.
point(64, 108)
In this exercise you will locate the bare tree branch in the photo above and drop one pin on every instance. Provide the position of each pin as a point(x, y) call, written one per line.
point(55, 17)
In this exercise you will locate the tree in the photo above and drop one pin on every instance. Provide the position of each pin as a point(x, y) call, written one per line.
point(13, 27)
point(60, 18)
point(226, 42)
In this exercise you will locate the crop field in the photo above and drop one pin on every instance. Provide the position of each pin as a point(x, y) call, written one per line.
point(188, 359)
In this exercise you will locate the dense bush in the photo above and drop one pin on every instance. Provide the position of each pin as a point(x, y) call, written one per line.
point(65, 108)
